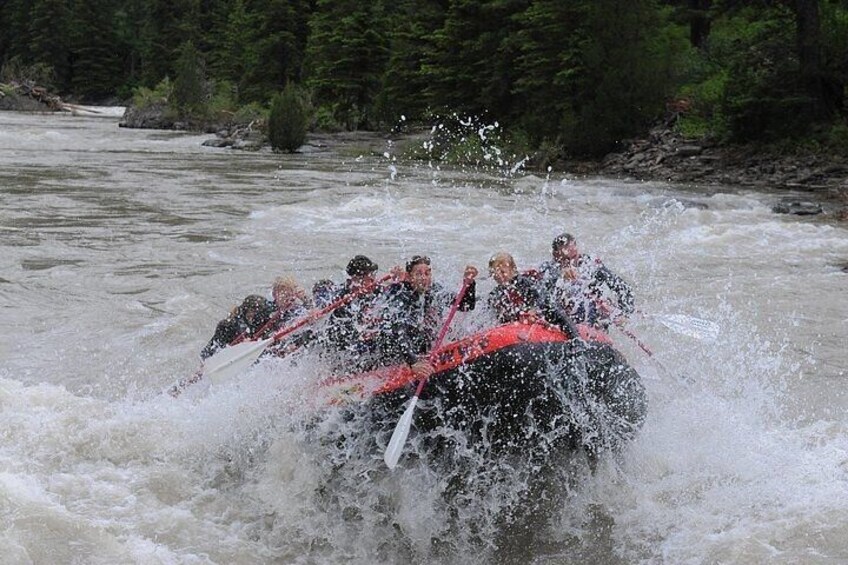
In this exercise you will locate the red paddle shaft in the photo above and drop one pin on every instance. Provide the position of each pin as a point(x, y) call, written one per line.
point(318, 313)
point(443, 332)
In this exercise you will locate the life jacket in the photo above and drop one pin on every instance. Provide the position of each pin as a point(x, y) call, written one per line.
point(512, 299)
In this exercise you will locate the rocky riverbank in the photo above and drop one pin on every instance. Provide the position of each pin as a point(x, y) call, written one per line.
point(813, 183)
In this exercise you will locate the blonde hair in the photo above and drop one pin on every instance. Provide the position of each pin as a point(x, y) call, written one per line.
point(287, 288)
point(502, 257)
point(282, 284)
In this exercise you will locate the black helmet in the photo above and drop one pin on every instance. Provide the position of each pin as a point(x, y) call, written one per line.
point(255, 310)
point(360, 265)
point(416, 260)
point(562, 240)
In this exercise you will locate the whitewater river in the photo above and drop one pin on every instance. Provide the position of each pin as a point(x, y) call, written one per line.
point(121, 249)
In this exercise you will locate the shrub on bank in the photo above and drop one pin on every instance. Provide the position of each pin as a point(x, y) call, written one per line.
point(288, 121)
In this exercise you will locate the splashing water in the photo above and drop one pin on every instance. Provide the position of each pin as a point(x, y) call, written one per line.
point(122, 249)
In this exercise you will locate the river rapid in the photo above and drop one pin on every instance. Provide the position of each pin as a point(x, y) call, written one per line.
point(121, 249)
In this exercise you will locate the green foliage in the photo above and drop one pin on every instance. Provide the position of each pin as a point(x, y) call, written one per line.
point(236, 53)
point(623, 76)
point(836, 138)
point(747, 84)
point(587, 83)
point(764, 98)
point(252, 112)
point(288, 121)
point(144, 97)
point(189, 94)
point(574, 77)
point(470, 67)
point(96, 67)
point(15, 70)
point(223, 100)
point(346, 57)
point(279, 46)
point(471, 142)
point(49, 41)
point(549, 66)
point(705, 116)
point(15, 31)
point(325, 119)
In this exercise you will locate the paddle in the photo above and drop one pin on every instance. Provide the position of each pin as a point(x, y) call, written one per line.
point(690, 326)
point(398, 439)
point(695, 328)
point(233, 359)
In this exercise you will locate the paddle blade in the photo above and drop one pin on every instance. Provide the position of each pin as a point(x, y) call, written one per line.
point(232, 360)
point(693, 327)
point(395, 448)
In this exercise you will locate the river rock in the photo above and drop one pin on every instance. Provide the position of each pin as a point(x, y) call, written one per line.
point(797, 207)
point(154, 116)
point(14, 103)
point(218, 142)
point(689, 150)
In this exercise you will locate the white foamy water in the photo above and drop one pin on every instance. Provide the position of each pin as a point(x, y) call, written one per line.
point(122, 248)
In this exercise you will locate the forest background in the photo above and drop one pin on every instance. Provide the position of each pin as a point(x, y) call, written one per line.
point(562, 77)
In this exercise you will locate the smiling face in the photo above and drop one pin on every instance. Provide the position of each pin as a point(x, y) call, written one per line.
point(421, 277)
point(567, 253)
point(502, 268)
point(286, 292)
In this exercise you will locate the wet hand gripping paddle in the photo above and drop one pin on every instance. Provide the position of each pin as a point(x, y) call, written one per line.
point(398, 439)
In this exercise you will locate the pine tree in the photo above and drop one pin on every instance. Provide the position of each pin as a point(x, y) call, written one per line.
point(231, 36)
point(346, 57)
point(289, 119)
point(189, 95)
point(15, 31)
point(412, 25)
point(278, 47)
point(165, 28)
point(234, 51)
point(96, 68)
point(549, 65)
point(130, 46)
point(626, 73)
point(49, 41)
point(471, 69)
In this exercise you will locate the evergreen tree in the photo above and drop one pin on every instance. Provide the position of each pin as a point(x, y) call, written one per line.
point(216, 16)
point(96, 68)
point(590, 84)
point(49, 42)
point(471, 69)
point(549, 65)
point(412, 25)
point(15, 31)
point(130, 46)
point(234, 52)
point(189, 95)
point(346, 57)
point(162, 34)
point(825, 94)
point(289, 119)
point(279, 48)
point(627, 75)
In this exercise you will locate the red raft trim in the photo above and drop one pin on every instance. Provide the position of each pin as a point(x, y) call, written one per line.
point(451, 356)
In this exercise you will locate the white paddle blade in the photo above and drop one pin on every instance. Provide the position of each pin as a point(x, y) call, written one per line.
point(232, 360)
point(693, 327)
point(395, 448)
